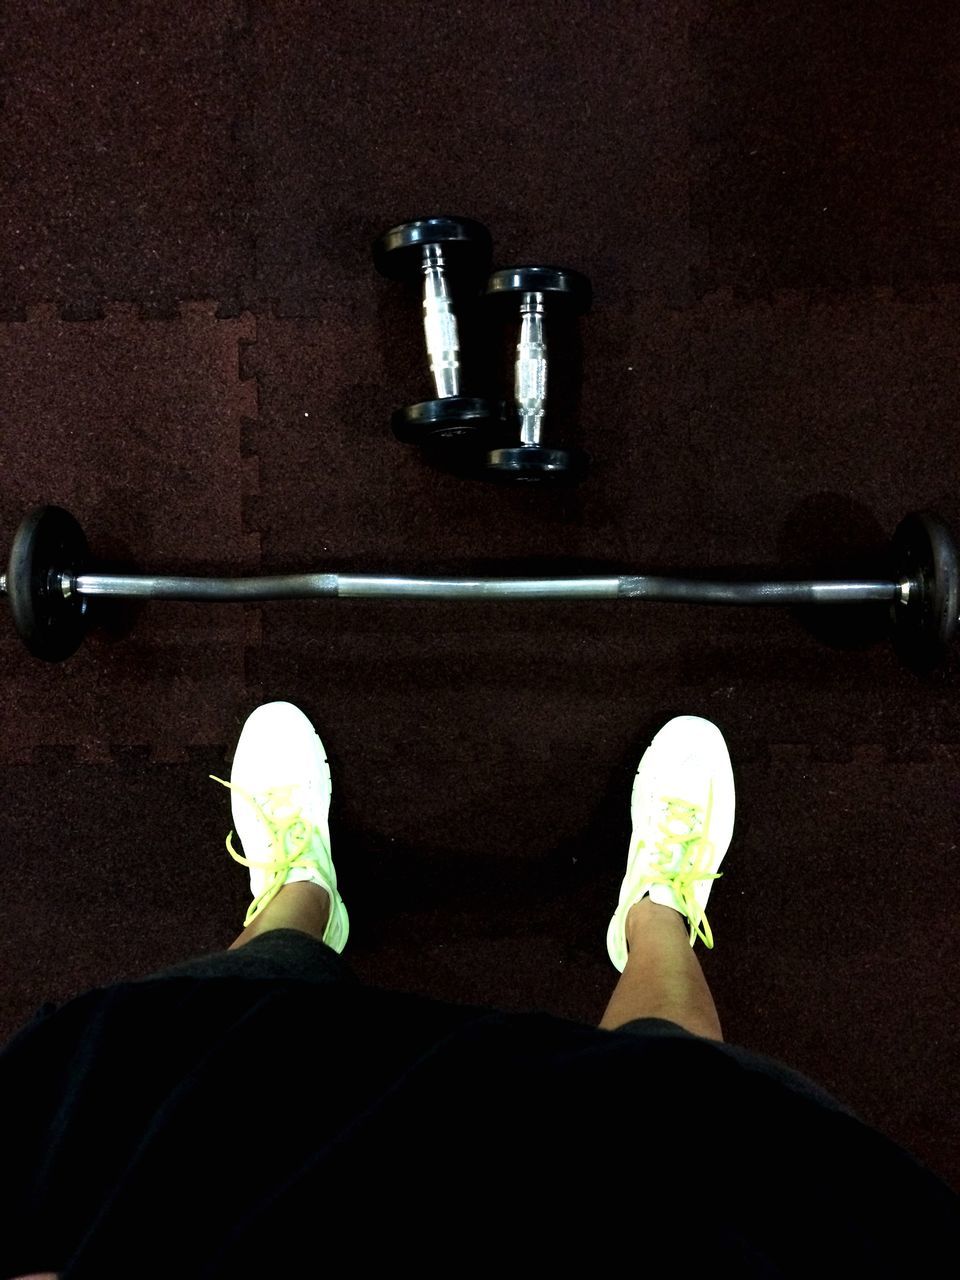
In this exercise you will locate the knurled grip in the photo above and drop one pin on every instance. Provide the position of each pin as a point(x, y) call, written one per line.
point(440, 325)
point(530, 375)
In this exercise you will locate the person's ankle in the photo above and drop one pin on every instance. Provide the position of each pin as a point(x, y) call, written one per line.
point(301, 892)
point(646, 913)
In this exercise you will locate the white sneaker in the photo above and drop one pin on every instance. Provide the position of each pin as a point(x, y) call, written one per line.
point(683, 807)
point(281, 803)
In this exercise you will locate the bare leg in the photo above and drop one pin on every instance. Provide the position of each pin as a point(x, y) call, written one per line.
point(302, 905)
point(663, 978)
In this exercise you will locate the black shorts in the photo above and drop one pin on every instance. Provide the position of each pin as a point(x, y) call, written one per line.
point(290, 954)
point(259, 1112)
point(277, 954)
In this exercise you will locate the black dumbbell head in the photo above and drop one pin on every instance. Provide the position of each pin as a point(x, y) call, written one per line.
point(466, 244)
point(537, 463)
point(925, 555)
point(48, 543)
point(560, 284)
point(453, 420)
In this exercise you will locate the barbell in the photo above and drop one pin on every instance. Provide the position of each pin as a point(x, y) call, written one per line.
point(52, 583)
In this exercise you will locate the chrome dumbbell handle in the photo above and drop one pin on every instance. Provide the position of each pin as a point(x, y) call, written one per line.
point(440, 324)
point(530, 378)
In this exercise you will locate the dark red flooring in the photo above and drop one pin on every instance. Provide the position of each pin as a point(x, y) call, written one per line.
point(198, 359)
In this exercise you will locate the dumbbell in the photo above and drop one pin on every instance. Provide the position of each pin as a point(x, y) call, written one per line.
point(52, 586)
point(432, 251)
point(535, 292)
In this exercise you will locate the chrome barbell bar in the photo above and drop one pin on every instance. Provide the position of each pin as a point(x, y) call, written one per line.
point(651, 587)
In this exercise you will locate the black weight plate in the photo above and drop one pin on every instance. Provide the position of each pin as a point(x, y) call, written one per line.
point(925, 553)
point(48, 542)
point(568, 287)
point(454, 420)
point(467, 246)
point(535, 462)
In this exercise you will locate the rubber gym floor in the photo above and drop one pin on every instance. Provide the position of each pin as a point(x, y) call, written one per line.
point(198, 359)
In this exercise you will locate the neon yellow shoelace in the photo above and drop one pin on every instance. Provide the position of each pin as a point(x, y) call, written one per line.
point(682, 861)
point(290, 838)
